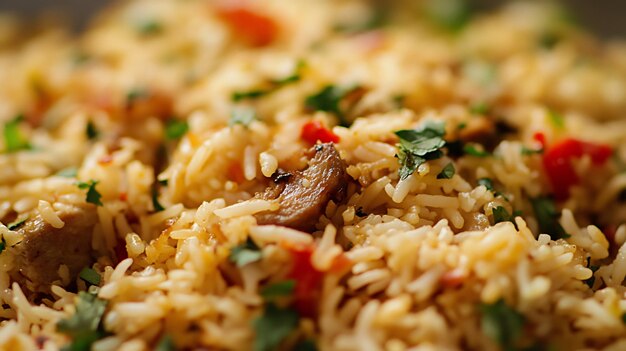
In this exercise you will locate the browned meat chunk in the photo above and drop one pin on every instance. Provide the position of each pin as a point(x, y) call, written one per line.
point(303, 195)
point(45, 248)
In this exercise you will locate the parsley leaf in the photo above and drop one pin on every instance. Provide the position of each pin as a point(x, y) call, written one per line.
point(245, 253)
point(547, 217)
point(557, 119)
point(174, 129)
point(14, 140)
point(284, 288)
point(418, 146)
point(328, 99)
point(166, 344)
point(447, 172)
point(136, 94)
point(149, 27)
point(451, 15)
point(91, 130)
point(155, 200)
point(90, 276)
point(243, 116)
point(85, 326)
point(272, 86)
point(480, 108)
point(470, 149)
point(93, 196)
point(500, 214)
point(487, 182)
point(527, 152)
point(17, 222)
point(593, 268)
point(273, 326)
point(502, 323)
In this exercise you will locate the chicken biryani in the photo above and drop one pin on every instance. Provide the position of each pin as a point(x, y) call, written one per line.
point(312, 175)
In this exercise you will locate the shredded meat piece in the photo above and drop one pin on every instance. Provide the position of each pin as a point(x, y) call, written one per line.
point(303, 195)
point(45, 248)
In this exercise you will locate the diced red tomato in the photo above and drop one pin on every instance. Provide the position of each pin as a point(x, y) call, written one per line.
point(308, 278)
point(313, 131)
point(252, 27)
point(123, 196)
point(540, 138)
point(452, 279)
point(557, 161)
point(235, 173)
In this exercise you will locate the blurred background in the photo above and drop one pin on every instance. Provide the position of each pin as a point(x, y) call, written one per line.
point(605, 17)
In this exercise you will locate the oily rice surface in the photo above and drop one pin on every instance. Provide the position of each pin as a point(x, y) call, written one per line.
point(475, 201)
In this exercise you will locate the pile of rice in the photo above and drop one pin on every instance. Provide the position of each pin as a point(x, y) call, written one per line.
point(141, 107)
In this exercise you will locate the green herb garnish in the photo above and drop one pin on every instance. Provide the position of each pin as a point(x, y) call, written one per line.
point(271, 87)
point(155, 200)
point(3, 245)
point(70, 172)
point(418, 146)
point(451, 15)
point(166, 344)
point(245, 253)
point(487, 182)
point(500, 214)
point(273, 326)
point(14, 140)
point(149, 27)
point(547, 217)
point(174, 129)
point(328, 99)
point(91, 130)
point(502, 324)
point(93, 196)
point(85, 326)
point(279, 289)
point(90, 276)
point(242, 115)
point(472, 150)
point(528, 152)
point(557, 119)
point(136, 94)
point(480, 108)
point(593, 268)
point(17, 222)
point(447, 172)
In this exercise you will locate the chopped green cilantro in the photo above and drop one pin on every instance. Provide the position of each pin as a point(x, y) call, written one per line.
point(155, 200)
point(166, 344)
point(69, 172)
point(273, 326)
point(480, 108)
point(502, 324)
point(418, 146)
point(175, 128)
point(447, 172)
point(306, 345)
point(547, 217)
point(528, 152)
point(461, 126)
point(85, 326)
point(136, 94)
point(472, 150)
point(242, 115)
point(500, 214)
point(487, 182)
point(91, 130)
point(272, 86)
point(149, 27)
point(245, 253)
point(328, 99)
point(163, 182)
point(548, 40)
point(93, 196)
point(451, 15)
point(593, 268)
point(90, 276)
point(557, 119)
point(279, 289)
point(17, 222)
point(3, 245)
point(14, 140)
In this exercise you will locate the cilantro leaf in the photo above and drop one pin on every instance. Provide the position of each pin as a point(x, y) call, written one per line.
point(136, 94)
point(487, 182)
point(447, 172)
point(17, 222)
point(85, 326)
point(155, 200)
point(91, 130)
point(547, 217)
point(272, 86)
point(166, 344)
point(284, 288)
point(273, 326)
point(502, 323)
point(593, 268)
point(245, 253)
point(418, 146)
point(174, 129)
point(500, 214)
point(470, 149)
point(14, 140)
point(328, 99)
point(93, 196)
point(527, 151)
point(89, 275)
point(243, 116)
point(451, 15)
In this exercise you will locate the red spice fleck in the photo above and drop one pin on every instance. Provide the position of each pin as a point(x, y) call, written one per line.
point(313, 131)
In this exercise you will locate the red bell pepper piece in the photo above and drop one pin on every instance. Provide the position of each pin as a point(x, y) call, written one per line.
point(252, 27)
point(557, 161)
point(313, 131)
